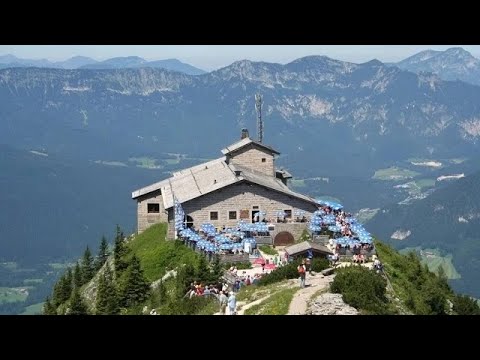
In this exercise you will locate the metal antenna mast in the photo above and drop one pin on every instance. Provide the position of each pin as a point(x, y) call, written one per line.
point(258, 107)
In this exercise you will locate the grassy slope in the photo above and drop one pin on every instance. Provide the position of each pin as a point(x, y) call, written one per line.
point(434, 262)
point(276, 304)
point(157, 255)
point(268, 250)
point(406, 276)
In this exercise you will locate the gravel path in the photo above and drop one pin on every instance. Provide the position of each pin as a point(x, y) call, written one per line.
point(302, 297)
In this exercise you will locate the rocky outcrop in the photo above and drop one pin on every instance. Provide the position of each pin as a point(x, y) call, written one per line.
point(330, 304)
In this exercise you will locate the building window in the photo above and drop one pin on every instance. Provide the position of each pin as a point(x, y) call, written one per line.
point(213, 215)
point(153, 208)
point(288, 214)
point(255, 207)
point(263, 159)
point(232, 215)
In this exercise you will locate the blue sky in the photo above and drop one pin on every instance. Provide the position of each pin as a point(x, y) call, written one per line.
point(210, 57)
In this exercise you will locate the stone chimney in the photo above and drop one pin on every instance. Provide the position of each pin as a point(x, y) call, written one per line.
point(244, 134)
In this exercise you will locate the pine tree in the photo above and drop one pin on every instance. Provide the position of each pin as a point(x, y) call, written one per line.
point(119, 252)
point(107, 299)
point(103, 254)
point(49, 308)
point(181, 283)
point(87, 266)
point(65, 287)
point(203, 272)
point(101, 300)
point(77, 276)
point(77, 305)
point(135, 288)
point(112, 293)
point(57, 293)
point(465, 305)
point(62, 290)
point(443, 279)
point(216, 269)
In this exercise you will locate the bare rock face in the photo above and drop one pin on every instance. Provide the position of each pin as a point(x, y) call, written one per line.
point(331, 304)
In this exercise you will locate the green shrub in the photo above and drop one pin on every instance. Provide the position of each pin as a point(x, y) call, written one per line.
point(268, 250)
point(319, 264)
point(288, 271)
point(240, 266)
point(465, 305)
point(186, 306)
point(361, 288)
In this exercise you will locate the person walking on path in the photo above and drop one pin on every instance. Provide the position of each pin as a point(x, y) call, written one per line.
point(232, 304)
point(223, 302)
point(302, 271)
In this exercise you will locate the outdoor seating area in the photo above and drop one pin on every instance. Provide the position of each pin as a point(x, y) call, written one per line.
point(212, 241)
point(350, 239)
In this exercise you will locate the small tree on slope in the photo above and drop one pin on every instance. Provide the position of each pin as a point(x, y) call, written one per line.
point(135, 288)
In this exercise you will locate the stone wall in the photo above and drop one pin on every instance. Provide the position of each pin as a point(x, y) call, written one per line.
point(145, 219)
point(242, 198)
point(251, 157)
point(295, 229)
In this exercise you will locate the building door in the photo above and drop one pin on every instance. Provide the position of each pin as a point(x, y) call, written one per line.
point(255, 211)
point(283, 238)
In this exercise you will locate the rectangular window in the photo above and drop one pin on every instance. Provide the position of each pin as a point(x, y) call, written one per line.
point(255, 208)
point(263, 159)
point(288, 214)
point(213, 215)
point(153, 208)
point(232, 215)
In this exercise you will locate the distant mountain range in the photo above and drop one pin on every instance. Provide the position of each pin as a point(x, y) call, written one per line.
point(449, 219)
point(77, 62)
point(370, 113)
point(451, 64)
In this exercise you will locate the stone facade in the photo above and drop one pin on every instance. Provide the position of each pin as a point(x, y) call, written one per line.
point(145, 218)
point(255, 158)
point(242, 198)
point(296, 229)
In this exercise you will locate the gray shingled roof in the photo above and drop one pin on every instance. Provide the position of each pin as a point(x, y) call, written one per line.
point(270, 182)
point(202, 179)
point(244, 142)
point(304, 246)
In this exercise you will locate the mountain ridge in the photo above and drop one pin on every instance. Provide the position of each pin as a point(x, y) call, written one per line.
point(452, 64)
point(83, 62)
